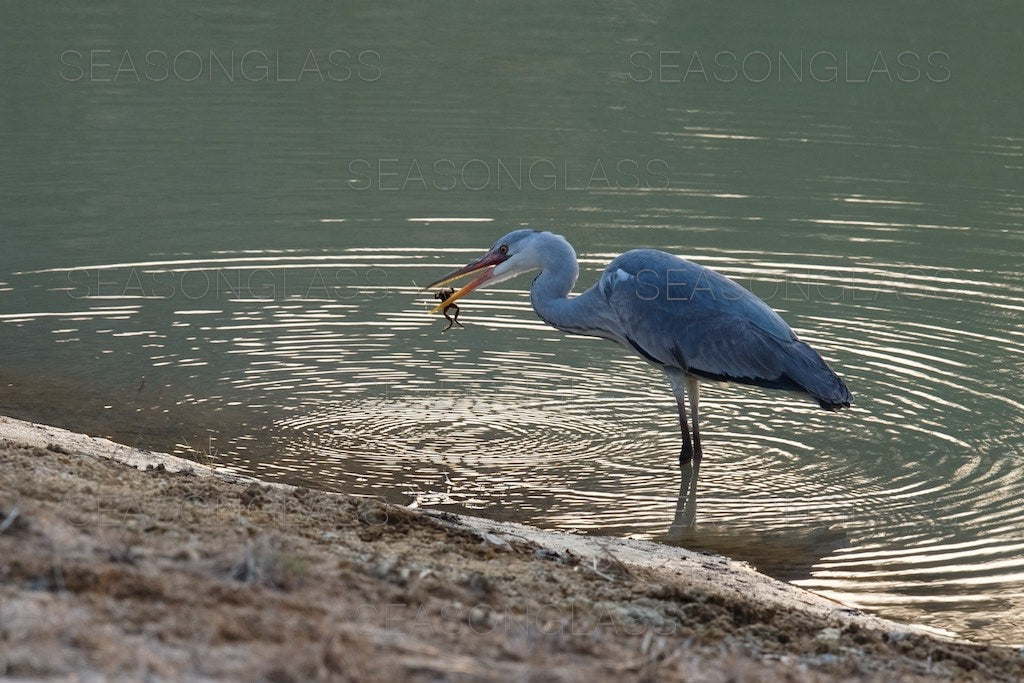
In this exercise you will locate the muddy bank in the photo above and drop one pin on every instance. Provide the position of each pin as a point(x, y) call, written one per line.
point(175, 570)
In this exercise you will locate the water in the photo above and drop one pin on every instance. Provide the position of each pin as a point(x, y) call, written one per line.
point(225, 265)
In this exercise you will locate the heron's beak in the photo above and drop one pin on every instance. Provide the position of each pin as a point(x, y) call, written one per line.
point(486, 264)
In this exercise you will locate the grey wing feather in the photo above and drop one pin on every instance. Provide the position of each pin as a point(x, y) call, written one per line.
point(680, 314)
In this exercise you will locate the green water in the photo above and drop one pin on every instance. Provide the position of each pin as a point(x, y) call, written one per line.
point(215, 219)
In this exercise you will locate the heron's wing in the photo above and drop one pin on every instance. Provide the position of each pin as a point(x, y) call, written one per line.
point(681, 314)
point(678, 313)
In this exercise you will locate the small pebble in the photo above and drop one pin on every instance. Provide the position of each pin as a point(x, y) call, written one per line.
point(828, 634)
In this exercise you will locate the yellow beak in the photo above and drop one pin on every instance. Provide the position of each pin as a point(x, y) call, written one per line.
point(486, 264)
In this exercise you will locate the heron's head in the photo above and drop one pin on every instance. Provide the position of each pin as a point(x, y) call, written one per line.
point(520, 251)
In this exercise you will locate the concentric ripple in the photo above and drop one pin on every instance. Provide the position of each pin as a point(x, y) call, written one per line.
point(907, 504)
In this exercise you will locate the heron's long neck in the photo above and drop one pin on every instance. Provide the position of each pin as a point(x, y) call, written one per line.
point(550, 292)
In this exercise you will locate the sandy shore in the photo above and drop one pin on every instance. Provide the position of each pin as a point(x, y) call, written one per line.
point(121, 562)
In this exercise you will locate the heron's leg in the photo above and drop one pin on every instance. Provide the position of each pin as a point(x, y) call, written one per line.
point(677, 380)
point(686, 454)
point(693, 387)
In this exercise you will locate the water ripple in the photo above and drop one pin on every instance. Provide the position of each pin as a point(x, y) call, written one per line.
point(906, 501)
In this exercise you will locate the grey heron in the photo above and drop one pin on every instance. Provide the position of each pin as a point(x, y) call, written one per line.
point(688, 320)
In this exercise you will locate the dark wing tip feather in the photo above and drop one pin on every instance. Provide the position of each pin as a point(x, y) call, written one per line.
point(808, 369)
point(827, 405)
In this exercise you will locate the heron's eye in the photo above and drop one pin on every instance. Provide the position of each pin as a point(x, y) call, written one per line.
point(503, 249)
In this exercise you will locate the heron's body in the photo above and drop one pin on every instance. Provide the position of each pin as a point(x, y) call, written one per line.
point(680, 315)
point(692, 322)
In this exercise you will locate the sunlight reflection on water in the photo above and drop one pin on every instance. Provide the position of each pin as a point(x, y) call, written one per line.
point(875, 507)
